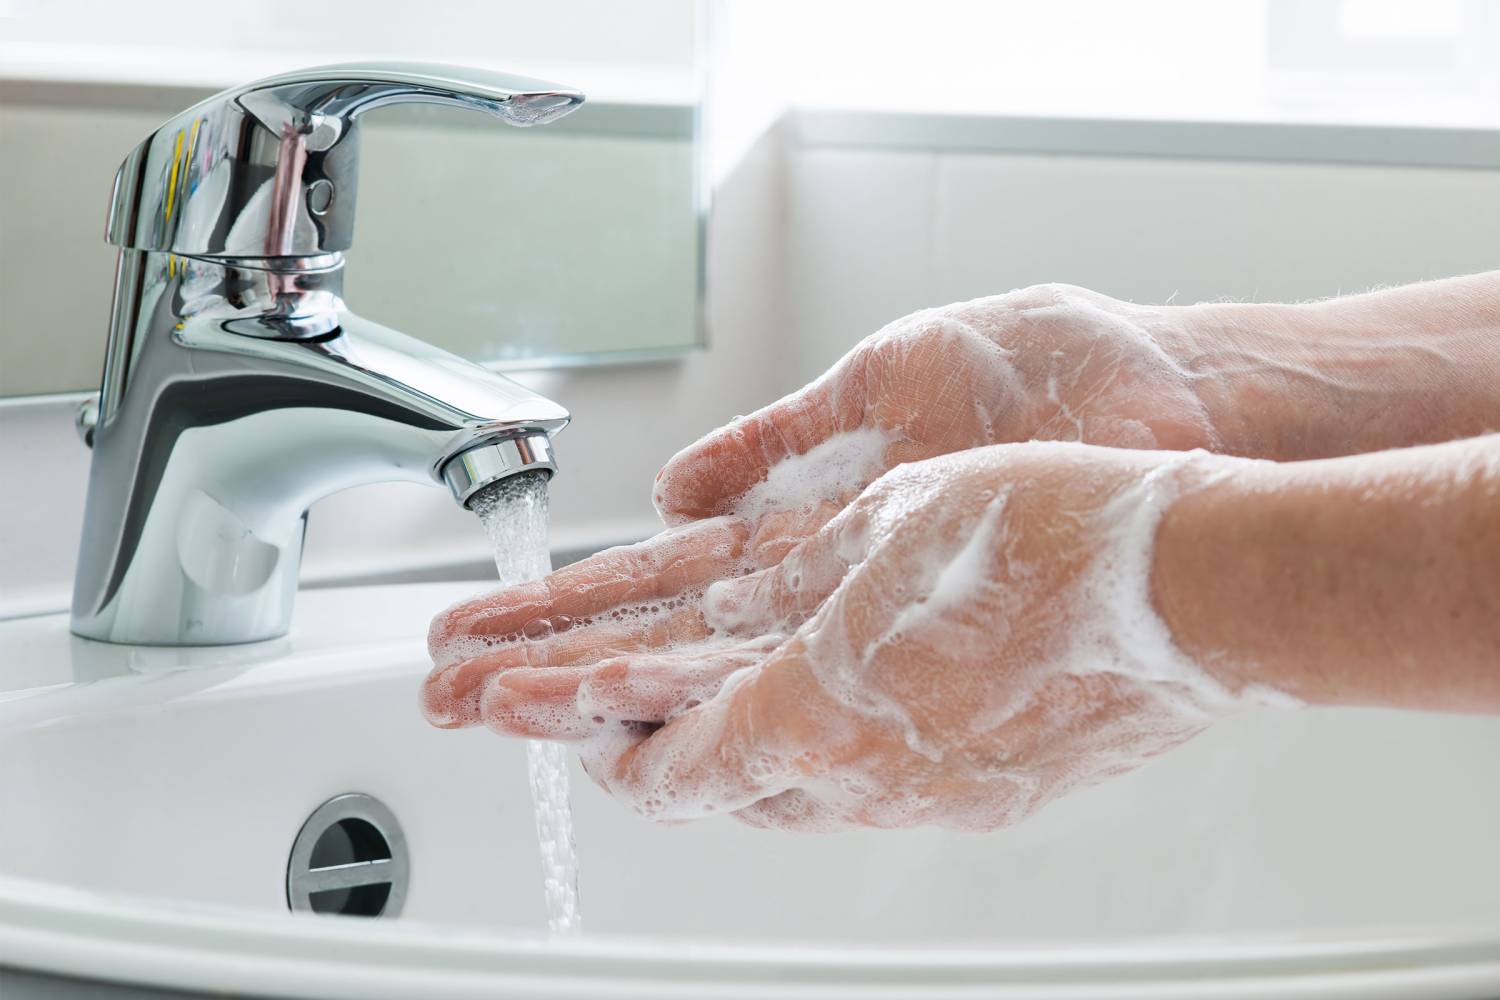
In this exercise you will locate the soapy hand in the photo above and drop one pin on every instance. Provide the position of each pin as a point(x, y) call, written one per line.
point(1050, 362)
point(965, 641)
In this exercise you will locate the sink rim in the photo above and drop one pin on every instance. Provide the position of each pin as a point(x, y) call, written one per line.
point(57, 660)
point(167, 944)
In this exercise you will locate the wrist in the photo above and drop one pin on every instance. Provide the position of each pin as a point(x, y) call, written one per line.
point(1160, 627)
point(1205, 603)
point(1267, 378)
point(1345, 376)
point(1363, 580)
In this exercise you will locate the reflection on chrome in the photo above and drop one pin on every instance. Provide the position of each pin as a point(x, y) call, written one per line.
point(238, 388)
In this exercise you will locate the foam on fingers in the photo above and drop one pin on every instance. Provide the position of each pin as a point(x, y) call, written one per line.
point(793, 810)
point(781, 597)
point(536, 703)
point(657, 688)
point(664, 571)
point(710, 476)
point(708, 761)
point(450, 695)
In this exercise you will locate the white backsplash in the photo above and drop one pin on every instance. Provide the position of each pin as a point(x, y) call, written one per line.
point(876, 233)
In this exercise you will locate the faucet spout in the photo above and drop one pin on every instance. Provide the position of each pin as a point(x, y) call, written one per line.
point(242, 392)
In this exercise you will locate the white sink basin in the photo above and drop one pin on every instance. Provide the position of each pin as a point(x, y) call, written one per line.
point(1283, 847)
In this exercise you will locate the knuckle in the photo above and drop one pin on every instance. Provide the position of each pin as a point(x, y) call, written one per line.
point(603, 688)
point(610, 672)
point(1050, 293)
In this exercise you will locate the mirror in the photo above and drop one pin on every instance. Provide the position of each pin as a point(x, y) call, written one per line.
point(579, 242)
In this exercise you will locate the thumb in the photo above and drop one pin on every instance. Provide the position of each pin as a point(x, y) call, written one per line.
point(782, 596)
point(744, 745)
point(705, 478)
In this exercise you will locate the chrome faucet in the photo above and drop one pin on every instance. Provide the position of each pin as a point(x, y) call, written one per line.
point(237, 386)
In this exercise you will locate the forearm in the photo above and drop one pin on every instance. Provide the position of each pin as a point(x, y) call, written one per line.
point(1371, 580)
point(1405, 366)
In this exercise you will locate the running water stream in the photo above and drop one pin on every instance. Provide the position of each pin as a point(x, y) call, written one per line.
point(514, 514)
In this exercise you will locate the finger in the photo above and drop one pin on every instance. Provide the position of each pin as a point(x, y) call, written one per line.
point(450, 696)
point(794, 809)
point(566, 703)
point(745, 745)
point(706, 477)
point(658, 569)
point(597, 755)
point(781, 597)
point(537, 703)
point(659, 687)
point(778, 532)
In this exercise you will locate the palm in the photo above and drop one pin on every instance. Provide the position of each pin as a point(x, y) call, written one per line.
point(1046, 363)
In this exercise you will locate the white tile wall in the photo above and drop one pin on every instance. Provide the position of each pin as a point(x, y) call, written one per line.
point(860, 248)
point(875, 234)
point(1146, 229)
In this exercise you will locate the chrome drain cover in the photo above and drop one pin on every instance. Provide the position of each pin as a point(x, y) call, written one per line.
point(349, 858)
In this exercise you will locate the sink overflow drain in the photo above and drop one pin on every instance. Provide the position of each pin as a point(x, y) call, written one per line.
point(349, 858)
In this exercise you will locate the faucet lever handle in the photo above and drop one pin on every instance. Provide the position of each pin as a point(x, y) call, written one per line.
point(270, 169)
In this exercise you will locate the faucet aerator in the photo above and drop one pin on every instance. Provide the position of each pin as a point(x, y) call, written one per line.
point(483, 465)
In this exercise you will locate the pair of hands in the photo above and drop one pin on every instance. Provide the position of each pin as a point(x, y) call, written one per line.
point(873, 604)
